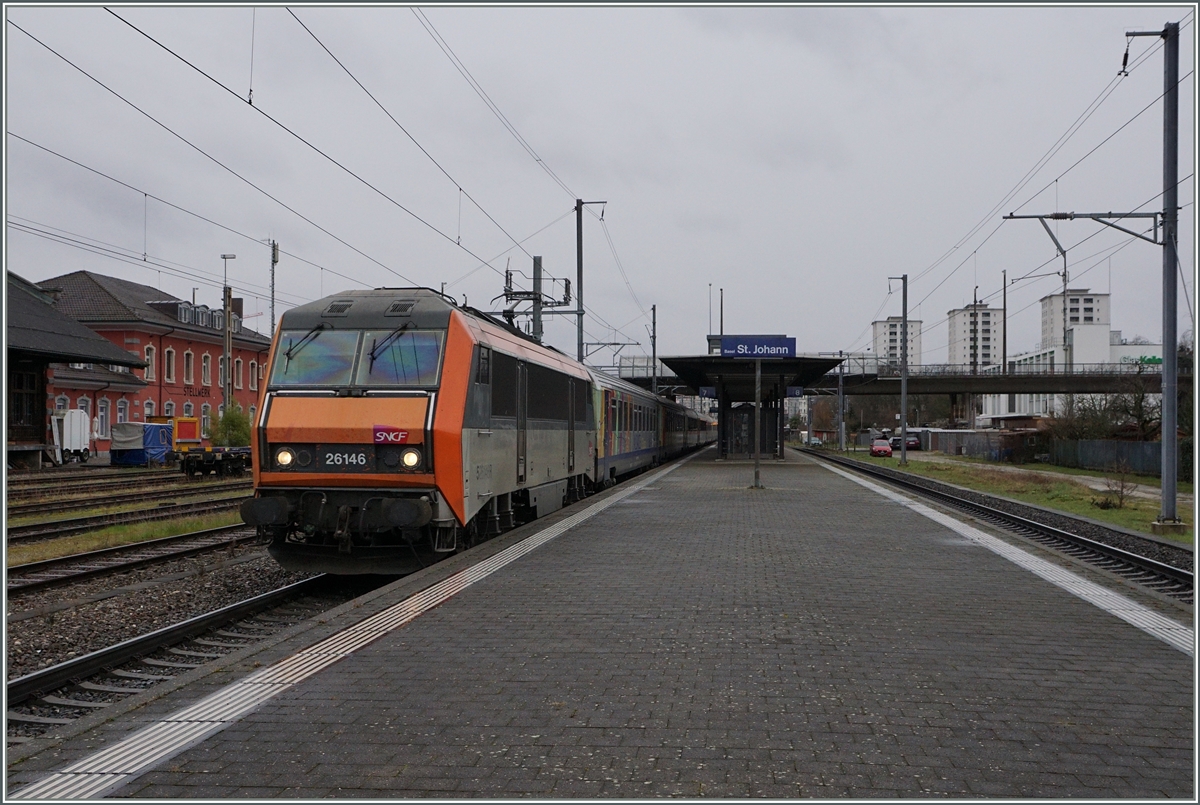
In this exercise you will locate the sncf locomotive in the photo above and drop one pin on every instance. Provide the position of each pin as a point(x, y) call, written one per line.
point(396, 426)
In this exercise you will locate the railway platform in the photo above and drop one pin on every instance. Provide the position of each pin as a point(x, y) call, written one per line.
point(684, 635)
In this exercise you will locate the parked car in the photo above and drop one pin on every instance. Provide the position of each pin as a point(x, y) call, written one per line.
point(880, 447)
point(813, 441)
point(894, 442)
point(913, 441)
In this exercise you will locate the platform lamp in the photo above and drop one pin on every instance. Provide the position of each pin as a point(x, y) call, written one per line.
point(227, 381)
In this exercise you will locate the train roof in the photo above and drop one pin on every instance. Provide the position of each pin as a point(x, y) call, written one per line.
point(379, 308)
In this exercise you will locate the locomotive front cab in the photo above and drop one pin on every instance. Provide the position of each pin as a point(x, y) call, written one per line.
point(345, 458)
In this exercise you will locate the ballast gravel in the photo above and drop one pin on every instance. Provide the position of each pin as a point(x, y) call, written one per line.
point(51, 626)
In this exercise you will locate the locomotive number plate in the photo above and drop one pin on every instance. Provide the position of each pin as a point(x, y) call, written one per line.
point(345, 458)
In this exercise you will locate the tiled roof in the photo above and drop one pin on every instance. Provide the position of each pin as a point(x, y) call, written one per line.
point(96, 298)
point(68, 376)
point(38, 328)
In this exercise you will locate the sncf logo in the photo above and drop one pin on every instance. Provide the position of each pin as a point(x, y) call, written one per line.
point(385, 434)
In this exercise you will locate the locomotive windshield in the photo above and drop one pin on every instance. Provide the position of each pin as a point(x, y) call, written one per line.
point(399, 358)
point(327, 357)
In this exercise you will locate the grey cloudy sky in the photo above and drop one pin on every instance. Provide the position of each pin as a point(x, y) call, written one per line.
point(796, 157)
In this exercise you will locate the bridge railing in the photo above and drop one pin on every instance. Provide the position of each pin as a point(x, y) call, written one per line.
point(960, 370)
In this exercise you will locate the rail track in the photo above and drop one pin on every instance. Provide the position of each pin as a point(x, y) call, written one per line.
point(60, 476)
point(158, 493)
point(62, 693)
point(1120, 553)
point(67, 569)
point(55, 529)
point(21, 493)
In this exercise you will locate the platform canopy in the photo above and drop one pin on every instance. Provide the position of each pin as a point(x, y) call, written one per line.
point(737, 374)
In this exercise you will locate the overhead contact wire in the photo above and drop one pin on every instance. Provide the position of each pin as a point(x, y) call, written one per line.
point(363, 181)
point(422, 148)
point(208, 156)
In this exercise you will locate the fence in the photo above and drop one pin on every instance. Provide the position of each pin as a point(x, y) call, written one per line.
point(1143, 458)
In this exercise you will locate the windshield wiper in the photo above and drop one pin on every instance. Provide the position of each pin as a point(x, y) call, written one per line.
point(379, 346)
point(311, 335)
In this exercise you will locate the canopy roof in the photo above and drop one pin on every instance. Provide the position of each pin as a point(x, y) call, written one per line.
point(737, 374)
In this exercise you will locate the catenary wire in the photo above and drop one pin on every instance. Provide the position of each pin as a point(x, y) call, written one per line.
point(475, 85)
point(478, 88)
point(135, 261)
point(208, 156)
point(159, 262)
point(184, 210)
point(309, 144)
point(391, 117)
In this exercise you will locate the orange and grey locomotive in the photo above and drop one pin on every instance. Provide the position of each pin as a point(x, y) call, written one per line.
point(396, 425)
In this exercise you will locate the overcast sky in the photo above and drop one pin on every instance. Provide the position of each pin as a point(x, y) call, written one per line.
point(796, 157)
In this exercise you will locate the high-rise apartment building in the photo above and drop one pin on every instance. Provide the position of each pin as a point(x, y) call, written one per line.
point(976, 335)
point(1083, 307)
point(886, 341)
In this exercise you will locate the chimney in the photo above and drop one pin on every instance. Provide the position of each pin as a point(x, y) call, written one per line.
point(236, 304)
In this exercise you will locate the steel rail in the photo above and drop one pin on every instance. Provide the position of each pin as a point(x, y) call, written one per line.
point(48, 679)
point(21, 481)
point(86, 484)
point(29, 532)
point(20, 585)
point(1176, 575)
point(147, 495)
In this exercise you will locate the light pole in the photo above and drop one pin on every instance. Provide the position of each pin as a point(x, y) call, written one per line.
point(227, 384)
point(903, 371)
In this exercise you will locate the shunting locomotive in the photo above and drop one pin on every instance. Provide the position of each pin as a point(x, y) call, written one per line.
point(396, 426)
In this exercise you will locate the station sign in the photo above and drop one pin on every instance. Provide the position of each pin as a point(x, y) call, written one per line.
point(757, 346)
point(708, 392)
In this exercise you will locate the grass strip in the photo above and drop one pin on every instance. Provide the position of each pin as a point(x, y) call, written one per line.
point(122, 508)
point(113, 536)
point(1066, 495)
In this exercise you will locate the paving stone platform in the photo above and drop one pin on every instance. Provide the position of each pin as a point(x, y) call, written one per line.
point(700, 638)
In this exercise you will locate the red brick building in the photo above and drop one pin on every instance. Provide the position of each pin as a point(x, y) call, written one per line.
point(181, 344)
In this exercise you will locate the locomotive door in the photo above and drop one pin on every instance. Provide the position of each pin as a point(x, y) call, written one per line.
point(572, 398)
point(522, 417)
point(610, 438)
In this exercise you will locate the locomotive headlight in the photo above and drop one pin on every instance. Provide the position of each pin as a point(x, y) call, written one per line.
point(284, 457)
point(410, 458)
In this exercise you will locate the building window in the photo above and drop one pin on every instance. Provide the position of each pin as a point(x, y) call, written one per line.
point(237, 373)
point(102, 426)
point(168, 409)
point(61, 402)
point(1075, 318)
point(1089, 318)
point(189, 368)
point(205, 419)
point(252, 410)
point(188, 408)
point(253, 376)
point(148, 407)
point(122, 410)
point(149, 374)
point(85, 404)
point(206, 369)
point(169, 365)
point(1087, 300)
point(1074, 301)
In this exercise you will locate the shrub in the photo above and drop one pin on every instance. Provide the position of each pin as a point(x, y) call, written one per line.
point(233, 429)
